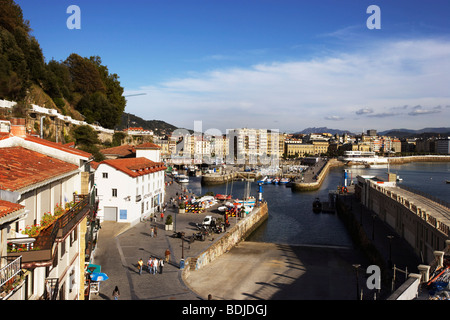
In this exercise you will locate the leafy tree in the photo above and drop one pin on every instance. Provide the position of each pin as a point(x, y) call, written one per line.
point(84, 74)
point(86, 139)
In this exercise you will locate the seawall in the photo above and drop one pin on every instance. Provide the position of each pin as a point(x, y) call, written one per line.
point(315, 185)
point(230, 239)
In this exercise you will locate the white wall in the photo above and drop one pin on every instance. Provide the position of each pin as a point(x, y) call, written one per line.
point(146, 186)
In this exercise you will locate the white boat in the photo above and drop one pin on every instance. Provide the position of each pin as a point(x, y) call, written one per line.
point(284, 180)
point(182, 178)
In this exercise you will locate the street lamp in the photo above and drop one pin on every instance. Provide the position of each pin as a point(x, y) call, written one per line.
point(373, 226)
point(390, 237)
point(356, 266)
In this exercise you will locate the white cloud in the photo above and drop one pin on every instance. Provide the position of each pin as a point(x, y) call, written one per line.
point(304, 93)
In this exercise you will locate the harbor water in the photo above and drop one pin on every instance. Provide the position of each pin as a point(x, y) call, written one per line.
point(291, 219)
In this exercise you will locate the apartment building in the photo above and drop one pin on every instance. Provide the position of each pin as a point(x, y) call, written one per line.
point(47, 203)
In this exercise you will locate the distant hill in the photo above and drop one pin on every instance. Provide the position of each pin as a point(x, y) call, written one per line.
point(408, 133)
point(322, 130)
point(157, 126)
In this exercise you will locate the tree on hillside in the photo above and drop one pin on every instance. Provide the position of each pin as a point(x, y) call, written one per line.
point(84, 74)
point(86, 139)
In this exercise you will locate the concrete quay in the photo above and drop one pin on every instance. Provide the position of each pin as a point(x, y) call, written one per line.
point(121, 245)
point(315, 175)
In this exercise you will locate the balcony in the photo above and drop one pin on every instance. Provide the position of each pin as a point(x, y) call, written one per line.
point(40, 252)
point(10, 276)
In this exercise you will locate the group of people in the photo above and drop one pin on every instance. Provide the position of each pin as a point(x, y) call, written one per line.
point(152, 265)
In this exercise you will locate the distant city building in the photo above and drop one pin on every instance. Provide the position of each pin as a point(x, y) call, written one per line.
point(443, 145)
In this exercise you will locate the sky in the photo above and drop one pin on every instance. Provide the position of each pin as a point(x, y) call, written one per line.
point(269, 64)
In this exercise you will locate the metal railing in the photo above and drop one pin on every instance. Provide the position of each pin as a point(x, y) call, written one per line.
point(10, 270)
point(426, 195)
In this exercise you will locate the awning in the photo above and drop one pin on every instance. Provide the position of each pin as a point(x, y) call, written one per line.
point(94, 268)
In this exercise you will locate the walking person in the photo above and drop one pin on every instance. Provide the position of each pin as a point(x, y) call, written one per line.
point(116, 293)
point(150, 265)
point(155, 265)
point(140, 266)
point(167, 254)
point(161, 265)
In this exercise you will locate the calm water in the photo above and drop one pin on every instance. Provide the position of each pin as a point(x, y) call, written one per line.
point(291, 220)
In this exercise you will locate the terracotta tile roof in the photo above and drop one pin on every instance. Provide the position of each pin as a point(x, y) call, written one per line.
point(94, 164)
point(8, 207)
point(148, 145)
point(20, 168)
point(135, 167)
point(120, 151)
point(58, 146)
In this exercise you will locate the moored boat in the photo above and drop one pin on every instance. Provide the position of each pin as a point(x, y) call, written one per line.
point(223, 196)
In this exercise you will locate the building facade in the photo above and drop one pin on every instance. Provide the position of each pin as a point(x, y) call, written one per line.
point(50, 182)
point(129, 189)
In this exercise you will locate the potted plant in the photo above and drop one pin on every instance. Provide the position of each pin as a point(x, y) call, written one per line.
point(169, 222)
point(182, 208)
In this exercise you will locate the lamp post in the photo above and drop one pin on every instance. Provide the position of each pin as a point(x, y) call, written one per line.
point(356, 266)
point(373, 226)
point(390, 237)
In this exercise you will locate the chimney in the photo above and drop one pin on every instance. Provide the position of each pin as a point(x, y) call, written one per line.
point(18, 127)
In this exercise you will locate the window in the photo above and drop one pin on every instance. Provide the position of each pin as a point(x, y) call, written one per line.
point(114, 192)
point(105, 175)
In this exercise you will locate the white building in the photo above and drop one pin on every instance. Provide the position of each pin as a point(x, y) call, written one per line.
point(41, 177)
point(130, 188)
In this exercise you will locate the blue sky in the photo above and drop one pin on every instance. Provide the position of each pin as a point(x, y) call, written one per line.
point(272, 64)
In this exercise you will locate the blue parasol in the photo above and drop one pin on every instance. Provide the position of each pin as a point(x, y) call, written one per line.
point(99, 276)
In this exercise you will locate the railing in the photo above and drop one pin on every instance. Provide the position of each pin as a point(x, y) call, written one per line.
point(51, 289)
point(10, 270)
point(426, 195)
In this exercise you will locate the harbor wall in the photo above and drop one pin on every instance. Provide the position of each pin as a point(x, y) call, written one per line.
point(424, 232)
point(217, 178)
point(311, 186)
point(228, 240)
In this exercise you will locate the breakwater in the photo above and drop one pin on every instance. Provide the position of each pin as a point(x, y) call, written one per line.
point(428, 158)
point(315, 182)
point(228, 240)
point(220, 178)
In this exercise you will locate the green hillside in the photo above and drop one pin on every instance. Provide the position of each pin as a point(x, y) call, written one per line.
point(77, 85)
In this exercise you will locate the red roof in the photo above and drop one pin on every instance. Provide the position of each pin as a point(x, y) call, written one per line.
point(120, 151)
point(20, 168)
point(58, 146)
point(8, 207)
point(148, 145)
point(135, 167)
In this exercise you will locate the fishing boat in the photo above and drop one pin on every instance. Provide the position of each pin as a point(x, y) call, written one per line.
point(250, 201)
point(276, 181)
point(284, 180)
point(223, 196)
point(268, 181)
